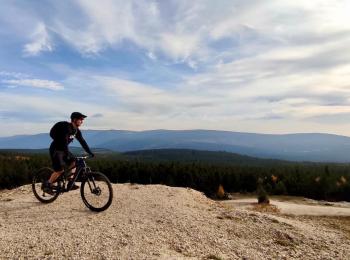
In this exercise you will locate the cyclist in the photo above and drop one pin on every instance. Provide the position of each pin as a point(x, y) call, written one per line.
point(63, 133)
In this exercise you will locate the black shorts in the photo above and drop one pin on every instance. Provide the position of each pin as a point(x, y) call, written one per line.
point(61, 159)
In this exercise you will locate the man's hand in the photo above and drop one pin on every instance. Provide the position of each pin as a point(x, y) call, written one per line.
point(92, 155)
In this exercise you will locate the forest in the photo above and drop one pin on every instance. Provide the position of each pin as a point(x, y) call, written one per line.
point(236, 173)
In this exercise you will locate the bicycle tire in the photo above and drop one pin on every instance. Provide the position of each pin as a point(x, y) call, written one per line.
point(39, 177)
point(90, 190)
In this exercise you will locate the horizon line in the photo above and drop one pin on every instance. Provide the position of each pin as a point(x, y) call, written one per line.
point(160, 129)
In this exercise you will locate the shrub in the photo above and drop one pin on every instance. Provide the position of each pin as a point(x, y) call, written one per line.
point(262, 194)
point(220, 194)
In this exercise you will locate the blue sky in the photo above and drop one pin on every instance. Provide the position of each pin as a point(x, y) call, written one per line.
point(253, 66)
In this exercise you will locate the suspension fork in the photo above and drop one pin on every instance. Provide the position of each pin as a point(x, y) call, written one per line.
point(89, 180)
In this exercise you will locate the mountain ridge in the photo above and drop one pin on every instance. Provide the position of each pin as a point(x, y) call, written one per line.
point(319, 147)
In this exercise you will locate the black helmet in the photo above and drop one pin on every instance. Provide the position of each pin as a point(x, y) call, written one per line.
point(77, 115)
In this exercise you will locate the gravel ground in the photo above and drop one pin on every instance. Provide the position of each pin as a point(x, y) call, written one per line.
point(158, 222)
point(298, 207)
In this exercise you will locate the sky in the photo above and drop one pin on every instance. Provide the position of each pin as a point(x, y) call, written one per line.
point(274, 66)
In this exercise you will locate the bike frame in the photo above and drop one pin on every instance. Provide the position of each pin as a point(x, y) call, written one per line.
point(81, 167)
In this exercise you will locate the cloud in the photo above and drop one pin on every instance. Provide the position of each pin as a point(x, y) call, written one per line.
point(246, 61)
point(149, 100)
point(110, 24)
point(40, 42)
point(98, 115)
point(18, 79)
point(17, 75)
point(28, 116)
point(152, 56)
point(338, 118)
point(224, 98)
point(187, 32)
point(24, 113)
point(35, 83)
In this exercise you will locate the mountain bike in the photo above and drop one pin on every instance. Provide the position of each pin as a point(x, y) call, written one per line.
point(95, 189)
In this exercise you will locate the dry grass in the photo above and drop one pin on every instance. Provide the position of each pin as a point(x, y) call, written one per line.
point(265, 208)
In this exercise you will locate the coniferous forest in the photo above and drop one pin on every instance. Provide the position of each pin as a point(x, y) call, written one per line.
point(194, 169)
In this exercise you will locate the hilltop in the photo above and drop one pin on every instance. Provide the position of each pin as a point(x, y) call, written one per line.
point(159, 222)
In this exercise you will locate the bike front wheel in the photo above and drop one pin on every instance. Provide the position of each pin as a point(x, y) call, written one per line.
point(96, 191)
point(39, 178)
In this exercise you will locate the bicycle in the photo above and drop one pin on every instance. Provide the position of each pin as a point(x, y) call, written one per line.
point(95, 189)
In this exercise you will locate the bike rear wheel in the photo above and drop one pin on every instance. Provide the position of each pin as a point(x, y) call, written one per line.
point(39, 178)
point(96, 191)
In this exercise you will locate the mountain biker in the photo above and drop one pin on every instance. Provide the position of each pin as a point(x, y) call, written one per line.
point(63, 133)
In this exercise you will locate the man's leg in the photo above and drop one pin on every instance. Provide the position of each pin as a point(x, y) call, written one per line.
point(70, 160)
point(73, 170)
point(54, 176)
point(72, 167)
point(57, 164)
point(47, 185)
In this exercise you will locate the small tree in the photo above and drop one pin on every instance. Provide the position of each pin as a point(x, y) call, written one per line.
point(221, 194)
point(261, 192)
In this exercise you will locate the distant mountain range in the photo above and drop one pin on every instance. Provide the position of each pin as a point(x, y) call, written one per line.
point(295, 147)
point(197, 156)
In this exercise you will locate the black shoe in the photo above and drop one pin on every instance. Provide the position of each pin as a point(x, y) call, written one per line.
point(47, 188)
point(72, 186)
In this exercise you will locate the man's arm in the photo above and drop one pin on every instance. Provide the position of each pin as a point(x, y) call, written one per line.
point(83, 143)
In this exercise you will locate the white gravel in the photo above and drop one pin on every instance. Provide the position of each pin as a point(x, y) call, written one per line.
point(156, 222)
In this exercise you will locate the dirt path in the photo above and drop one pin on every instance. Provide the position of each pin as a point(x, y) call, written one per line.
point(158, 222)
point(299, 208)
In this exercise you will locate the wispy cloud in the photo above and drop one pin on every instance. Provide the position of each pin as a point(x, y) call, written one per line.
point(40, 42)
point(34, 83)
point(7, 74)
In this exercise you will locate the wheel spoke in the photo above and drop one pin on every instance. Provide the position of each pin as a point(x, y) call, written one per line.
point(97, 192)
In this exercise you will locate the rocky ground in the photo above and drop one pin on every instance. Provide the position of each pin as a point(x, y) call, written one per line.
point(160, 222)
